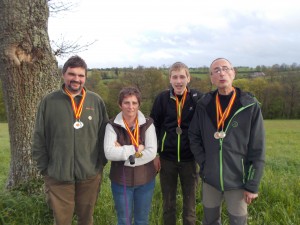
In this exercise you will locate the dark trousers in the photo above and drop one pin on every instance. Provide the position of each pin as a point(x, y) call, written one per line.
point(187, 172)
point(65, 197)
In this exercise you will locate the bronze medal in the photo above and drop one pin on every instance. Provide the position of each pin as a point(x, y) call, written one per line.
point(138, 154)
point(178, 130)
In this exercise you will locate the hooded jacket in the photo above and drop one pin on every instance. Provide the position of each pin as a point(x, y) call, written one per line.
point(237, 160)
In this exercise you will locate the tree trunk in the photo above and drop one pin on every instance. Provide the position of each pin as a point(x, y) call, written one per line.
point(28, 71)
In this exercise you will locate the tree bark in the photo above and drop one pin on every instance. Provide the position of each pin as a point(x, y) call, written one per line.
point(28, 72)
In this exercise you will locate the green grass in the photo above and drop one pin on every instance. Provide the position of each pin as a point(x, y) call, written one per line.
point(278, 202)
point(4, 154)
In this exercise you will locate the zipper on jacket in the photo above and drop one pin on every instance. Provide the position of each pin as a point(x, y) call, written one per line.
point(178, 147)
point(221, 165)
point(163, 141)
point(238, 111)
point(221, 146)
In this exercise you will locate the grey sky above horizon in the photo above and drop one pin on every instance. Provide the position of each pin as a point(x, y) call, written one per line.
point(161, 32)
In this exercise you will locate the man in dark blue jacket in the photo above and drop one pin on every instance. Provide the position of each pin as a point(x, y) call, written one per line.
point(227, 139)
point(172, 112)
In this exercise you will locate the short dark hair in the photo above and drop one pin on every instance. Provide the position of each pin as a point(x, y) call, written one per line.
point(73, 62)
point(127, 91)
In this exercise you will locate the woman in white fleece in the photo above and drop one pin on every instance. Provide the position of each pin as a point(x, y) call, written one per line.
point(130, 144)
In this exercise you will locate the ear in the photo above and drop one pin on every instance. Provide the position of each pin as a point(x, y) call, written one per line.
point(211, 80)
point(233, 73)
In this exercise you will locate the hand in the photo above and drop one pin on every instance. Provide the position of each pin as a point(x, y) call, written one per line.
point(117, 144)
point(156, 162)
point(249, 197)
point(141, 148)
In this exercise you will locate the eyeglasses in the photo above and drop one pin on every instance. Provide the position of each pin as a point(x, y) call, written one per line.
point(218, 70)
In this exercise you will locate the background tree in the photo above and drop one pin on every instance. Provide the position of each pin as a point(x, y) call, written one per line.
point(273, 101)
point(28, 71)
point(202, 84)
point(291, 85)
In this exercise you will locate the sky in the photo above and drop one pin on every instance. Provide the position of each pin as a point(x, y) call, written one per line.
point(131, 33)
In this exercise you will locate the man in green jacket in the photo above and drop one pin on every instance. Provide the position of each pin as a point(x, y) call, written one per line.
point(227, 139)
point(68, 145)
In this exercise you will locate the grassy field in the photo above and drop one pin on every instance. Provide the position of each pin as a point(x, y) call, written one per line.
point(278, 202)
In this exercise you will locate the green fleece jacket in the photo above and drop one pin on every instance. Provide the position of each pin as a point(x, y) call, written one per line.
point(60, 150)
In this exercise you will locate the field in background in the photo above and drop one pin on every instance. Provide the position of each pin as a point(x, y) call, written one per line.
point(278, 202)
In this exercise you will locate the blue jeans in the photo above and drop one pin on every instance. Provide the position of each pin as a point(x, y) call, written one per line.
point(137, 199)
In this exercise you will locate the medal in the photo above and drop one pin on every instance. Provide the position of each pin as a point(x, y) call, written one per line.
point(134, 136)
point(222, 134)
point(138, 154)
point(217, 135)
point(178, 130)
point(179, 107)
point(77, 109)
point(77, 125)
point(222, 115)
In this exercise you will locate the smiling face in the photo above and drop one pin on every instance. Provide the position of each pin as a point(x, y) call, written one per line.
point(179, 80)
point(130, 106)
point(222, 75)
point(74, 79)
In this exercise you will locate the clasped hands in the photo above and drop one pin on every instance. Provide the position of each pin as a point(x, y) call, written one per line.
point(139, 151)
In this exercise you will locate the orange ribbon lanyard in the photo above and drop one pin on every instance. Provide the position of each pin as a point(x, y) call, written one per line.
point(77, 109)
point(135, 136)
point(179, 106)
point(222, 116)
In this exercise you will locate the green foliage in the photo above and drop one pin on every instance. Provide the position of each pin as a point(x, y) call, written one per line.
point(202, 84)
point(33, 186)
point(17, 208)
point(149, 81)
point(4, 154)
point(277, 88)
point(278, 202)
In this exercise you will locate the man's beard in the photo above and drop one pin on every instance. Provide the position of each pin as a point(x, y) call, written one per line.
point(73, 90)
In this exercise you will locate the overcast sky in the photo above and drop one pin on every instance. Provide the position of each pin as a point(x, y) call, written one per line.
point(161, 32)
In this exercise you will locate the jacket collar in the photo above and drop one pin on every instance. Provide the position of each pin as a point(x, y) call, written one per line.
point(245, 98)
point(63, 90)
point(172, 95)
point(119, 119)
